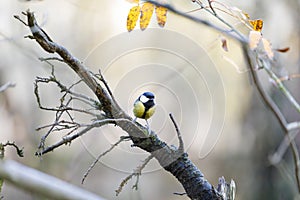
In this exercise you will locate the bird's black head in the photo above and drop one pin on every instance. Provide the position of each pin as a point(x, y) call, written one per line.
point(149, 95)
point(147, 98)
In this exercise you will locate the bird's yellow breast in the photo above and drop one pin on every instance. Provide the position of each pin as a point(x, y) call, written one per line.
point(149, 112)
point(140, 112)
point(138, 109)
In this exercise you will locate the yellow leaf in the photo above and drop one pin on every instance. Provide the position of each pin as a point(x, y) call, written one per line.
point(161, 15)
point(257, 24)
point(146, 14)
point(268, 48)
point(254, 38)
point(132, 17)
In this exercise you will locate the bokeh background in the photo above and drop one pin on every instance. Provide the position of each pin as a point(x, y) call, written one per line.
point(227, 129)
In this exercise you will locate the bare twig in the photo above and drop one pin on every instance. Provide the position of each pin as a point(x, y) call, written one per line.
point(61, 125)
point(137, 172)
point(22, 21)
point(20, 151)
point(179, 193)
point(59, 114)
point(181, 144)
point(70, 138)
point(65, 140)
point(122, 138)
point(51, 58)
point(241, 38)
point(211, 7)
point(102, 79)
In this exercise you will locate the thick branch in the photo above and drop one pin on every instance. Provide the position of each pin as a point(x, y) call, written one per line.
point(40, 183)
point(193, 181)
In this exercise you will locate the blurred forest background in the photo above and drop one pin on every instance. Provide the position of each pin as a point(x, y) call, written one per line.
point(246, 135)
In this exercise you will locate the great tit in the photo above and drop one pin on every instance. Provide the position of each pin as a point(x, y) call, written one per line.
point(144, 107)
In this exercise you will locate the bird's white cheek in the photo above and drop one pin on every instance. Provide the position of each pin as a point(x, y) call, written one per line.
point(144, 99)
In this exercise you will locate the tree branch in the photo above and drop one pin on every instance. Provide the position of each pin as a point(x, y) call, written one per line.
point(19, 150)
point(197, 187)
point(137, 172)
point(40, 183)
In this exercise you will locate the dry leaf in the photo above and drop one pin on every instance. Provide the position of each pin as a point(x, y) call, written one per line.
point(132, 17)
point(146, 14)
point(224, 44)
point(268, 48)
point(161, 15)
point(254, 38)
point(283, 50)
point(257, 24)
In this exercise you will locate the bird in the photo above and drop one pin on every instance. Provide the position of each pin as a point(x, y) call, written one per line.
point(144, 107)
